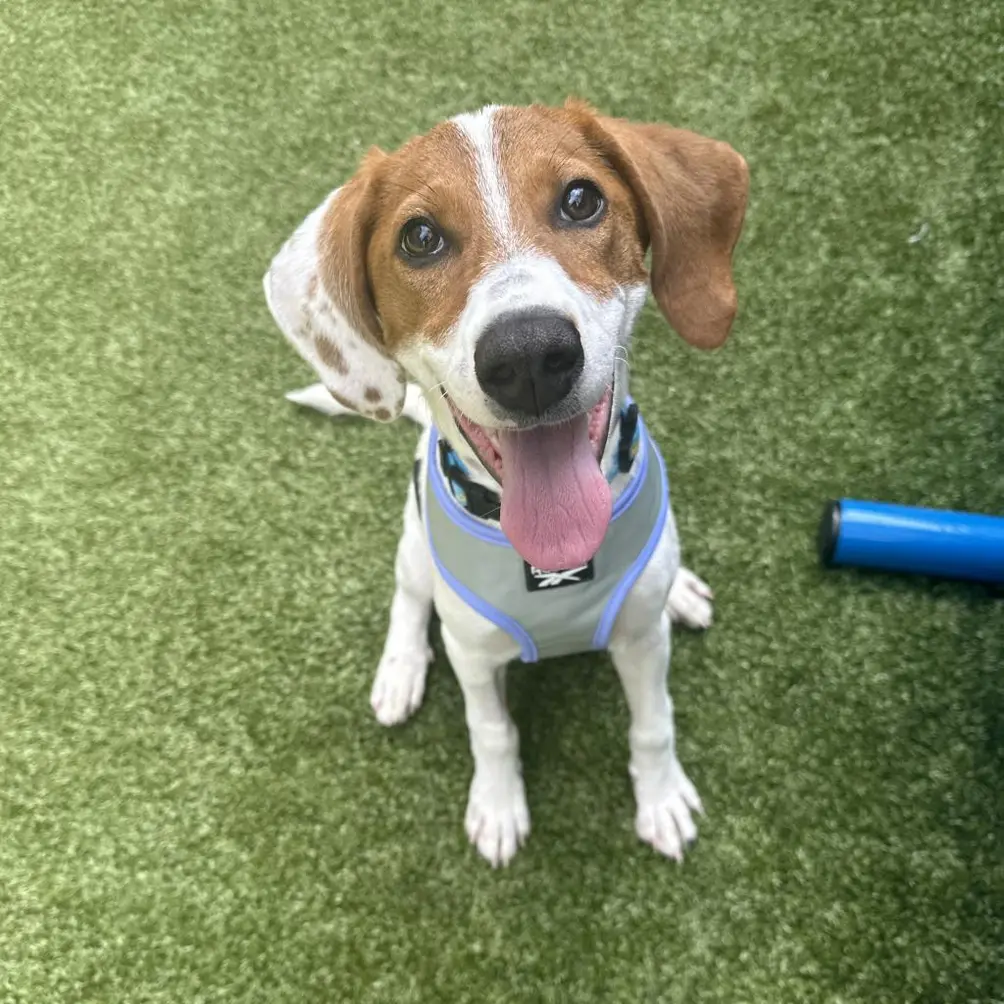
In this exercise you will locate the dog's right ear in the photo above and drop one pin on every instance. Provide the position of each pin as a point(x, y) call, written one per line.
point(318, 291)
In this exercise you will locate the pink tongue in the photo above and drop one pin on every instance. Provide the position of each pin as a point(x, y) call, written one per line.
point(555, 501)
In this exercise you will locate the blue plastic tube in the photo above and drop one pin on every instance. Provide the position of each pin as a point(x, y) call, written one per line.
point(899, 538)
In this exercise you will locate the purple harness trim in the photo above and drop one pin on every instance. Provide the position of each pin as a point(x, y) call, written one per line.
point(613, 607)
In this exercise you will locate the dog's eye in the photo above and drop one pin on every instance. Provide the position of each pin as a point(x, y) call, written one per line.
point(582, 202)
point(421, 238)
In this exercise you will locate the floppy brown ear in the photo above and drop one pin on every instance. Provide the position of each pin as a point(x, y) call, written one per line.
point(317, 289)
point(692, 194)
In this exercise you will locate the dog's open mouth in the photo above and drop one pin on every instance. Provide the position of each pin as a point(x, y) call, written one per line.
point(556, 502)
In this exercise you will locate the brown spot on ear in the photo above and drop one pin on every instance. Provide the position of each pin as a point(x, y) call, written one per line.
point(382, 414)
point(306, 329)
point(331, 355)
point(372, 394)
point(323, 307)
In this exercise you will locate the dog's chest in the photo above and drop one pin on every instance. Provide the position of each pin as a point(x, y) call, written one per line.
point(547, 613)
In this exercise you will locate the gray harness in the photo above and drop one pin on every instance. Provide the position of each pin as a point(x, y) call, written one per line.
point(547, 613)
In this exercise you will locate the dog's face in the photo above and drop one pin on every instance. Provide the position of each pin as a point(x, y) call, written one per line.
point(498, 262)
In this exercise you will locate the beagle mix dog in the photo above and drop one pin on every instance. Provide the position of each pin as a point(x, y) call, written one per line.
point(484, 280)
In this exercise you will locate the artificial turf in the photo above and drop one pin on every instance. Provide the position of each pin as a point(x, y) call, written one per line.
point(195, 802)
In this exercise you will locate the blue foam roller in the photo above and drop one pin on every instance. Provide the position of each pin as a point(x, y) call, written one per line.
point(899, 538)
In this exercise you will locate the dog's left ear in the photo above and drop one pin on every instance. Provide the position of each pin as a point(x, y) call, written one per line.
point(692, 195)
point(317, 289)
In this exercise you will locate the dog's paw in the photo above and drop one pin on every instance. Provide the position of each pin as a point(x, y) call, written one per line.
point(400, 684)
point(497, 819)
point(689, 601)
point(664, 818)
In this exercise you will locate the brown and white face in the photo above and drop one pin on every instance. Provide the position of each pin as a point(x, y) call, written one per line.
point(499, 263)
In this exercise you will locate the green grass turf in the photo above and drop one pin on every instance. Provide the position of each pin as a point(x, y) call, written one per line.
point(195, 804)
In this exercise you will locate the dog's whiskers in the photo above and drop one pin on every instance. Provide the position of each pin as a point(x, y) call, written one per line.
point(621, 355)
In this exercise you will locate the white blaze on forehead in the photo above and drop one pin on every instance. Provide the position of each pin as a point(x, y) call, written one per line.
point(478, 128)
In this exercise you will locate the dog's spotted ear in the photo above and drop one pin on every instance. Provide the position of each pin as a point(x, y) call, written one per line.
point(692, 195)
point(317, 289)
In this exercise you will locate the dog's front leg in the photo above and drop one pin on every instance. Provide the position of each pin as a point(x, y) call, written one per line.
point(400, 678)
point(497, 819)
point(664, 796)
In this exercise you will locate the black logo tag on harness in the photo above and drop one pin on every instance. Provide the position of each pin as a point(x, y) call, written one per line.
point(537, 579)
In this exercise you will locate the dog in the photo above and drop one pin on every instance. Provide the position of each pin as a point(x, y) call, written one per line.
point(484, 280)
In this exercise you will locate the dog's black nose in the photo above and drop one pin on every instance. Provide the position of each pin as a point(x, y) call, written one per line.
point(528, 362)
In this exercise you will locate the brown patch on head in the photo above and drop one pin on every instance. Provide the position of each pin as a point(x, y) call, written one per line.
point(435, 177)
point(680, 193)
point(432, 177)
point(372, 394)
point(331, 355)
point(540, 152)
point(382, 414)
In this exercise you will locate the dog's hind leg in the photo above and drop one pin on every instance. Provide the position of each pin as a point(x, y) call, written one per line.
point(400, 678)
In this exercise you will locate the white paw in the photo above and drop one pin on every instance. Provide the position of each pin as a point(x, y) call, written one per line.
point(497, 819)
point(689, 601)
point(664, 819)
point(400, 684)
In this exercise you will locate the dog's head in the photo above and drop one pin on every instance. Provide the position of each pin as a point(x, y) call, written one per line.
point(499, 262)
